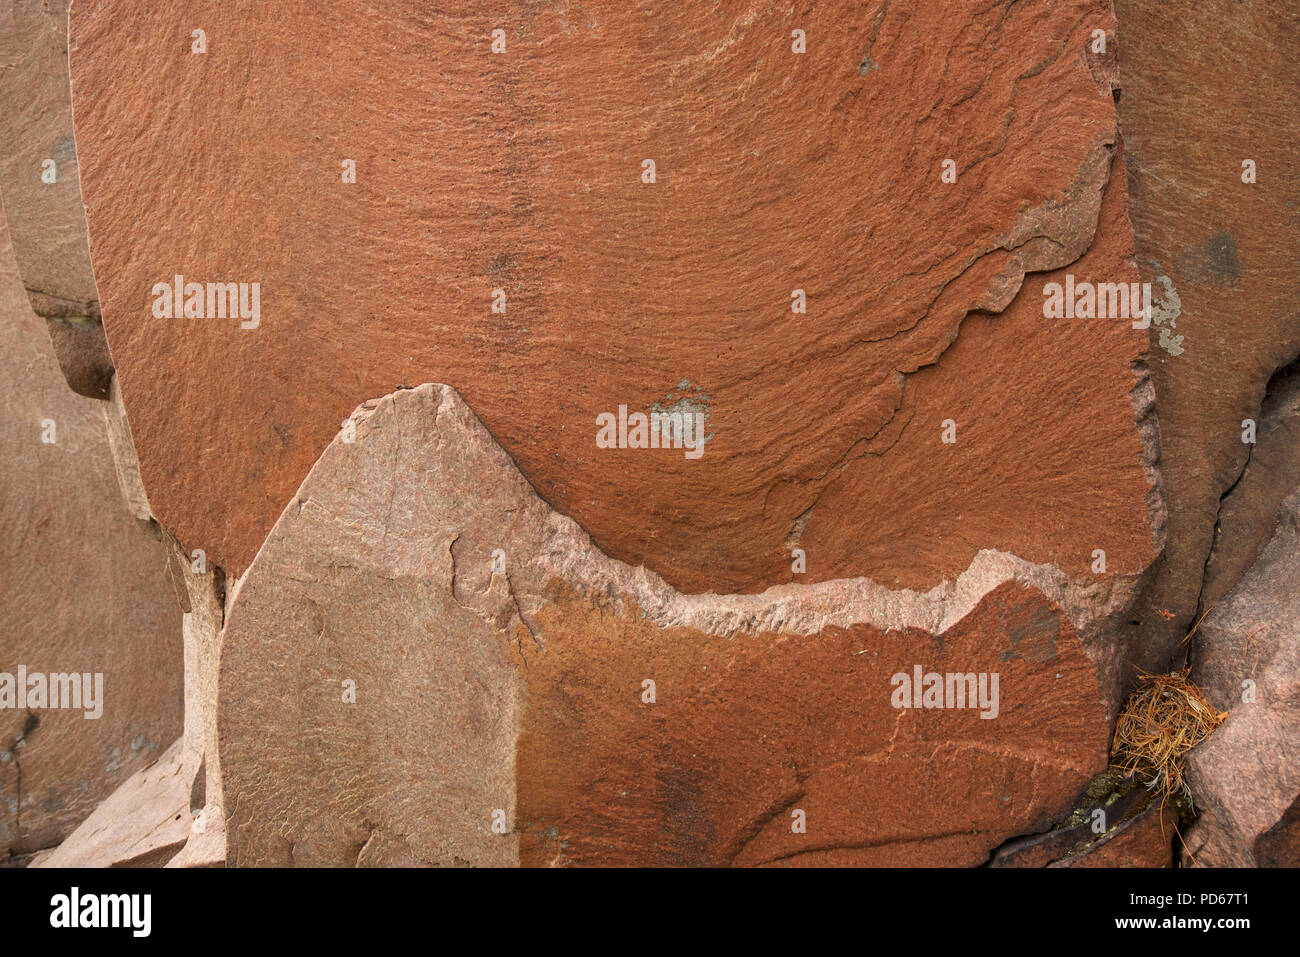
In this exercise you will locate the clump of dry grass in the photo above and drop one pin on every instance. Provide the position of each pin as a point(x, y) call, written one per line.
point(1165, 718)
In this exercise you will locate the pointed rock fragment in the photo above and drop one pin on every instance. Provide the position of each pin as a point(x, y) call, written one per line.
point(425, 664)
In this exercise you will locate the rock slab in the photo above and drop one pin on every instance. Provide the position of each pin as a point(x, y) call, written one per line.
point(84, 590)
point(39, 178)
point(425, 664)
point(519, 180)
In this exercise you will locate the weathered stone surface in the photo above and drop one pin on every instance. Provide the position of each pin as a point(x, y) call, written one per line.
point(1280, 845)
point(1246, 775)
point(135, 826)
point(1137, 830)
point(522, 172)
point(206, 846)
point(202, 594)
point(144, 823)
point(83, 590)
point(47, 222)
point(1248, 512)
point(1145, 840)
point(1218, 251)
point(513, 682)
point(1039, 850)
point(749, 728)
point(130, 817)
point(124, 458)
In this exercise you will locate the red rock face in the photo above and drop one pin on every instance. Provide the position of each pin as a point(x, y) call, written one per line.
point(750, 734)
point(509, 668)
point(1118, 823)
point(1218, 252)
point(775, 171)
point(1248, 512)
point(475, 635)
point(1020, 389)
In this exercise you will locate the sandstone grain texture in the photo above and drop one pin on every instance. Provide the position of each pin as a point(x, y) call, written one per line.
point(1246, 776)
point(1220, 254)
point(1119, 823)
point(1280, 845)
point(522, 172)
point(83, 589)
point(40, 183)
point(144, 823)
point(201, 593)
point(1248, 511)
point(170, 813)
point(513, 684)
point(475, 636)
point(1145, 840)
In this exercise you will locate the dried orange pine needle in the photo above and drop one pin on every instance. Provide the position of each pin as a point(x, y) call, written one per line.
point(1164, 719)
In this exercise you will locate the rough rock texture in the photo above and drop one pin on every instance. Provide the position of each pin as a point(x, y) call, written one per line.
point(1246, 776)
point(1280, 845)
point(201, 592)
point(47, 222)
point(1248, 513)
point(748, 728)
point(135, 826)
point(1219, 253)
point(1138, 830)
point(82, 588)
point(1143, 841)
point(124, 459)
point(482, 600)
point(522, 172)
point(514, 683)
point(144, 823)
